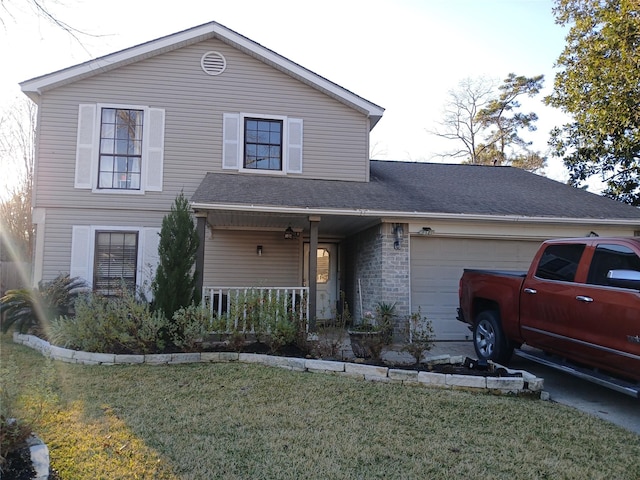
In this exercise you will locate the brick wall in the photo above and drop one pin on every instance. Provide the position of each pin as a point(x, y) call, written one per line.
point(379, 272)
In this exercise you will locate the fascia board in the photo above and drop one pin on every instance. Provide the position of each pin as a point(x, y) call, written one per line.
point(409, 216)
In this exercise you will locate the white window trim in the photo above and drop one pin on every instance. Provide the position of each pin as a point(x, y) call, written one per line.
point(144, 160)
point(283, 147)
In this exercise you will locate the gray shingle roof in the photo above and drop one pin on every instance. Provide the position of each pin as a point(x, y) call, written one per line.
point(419, 187)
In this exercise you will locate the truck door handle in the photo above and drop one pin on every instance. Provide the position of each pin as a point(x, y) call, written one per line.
point(582, 298)
point(530, 290)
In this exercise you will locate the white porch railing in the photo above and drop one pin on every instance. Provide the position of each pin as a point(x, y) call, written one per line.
point(242, 309)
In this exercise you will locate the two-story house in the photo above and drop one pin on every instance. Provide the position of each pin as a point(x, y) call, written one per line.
point(275, 161)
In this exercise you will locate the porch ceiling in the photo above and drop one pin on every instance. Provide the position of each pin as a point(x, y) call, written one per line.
point(337, 226)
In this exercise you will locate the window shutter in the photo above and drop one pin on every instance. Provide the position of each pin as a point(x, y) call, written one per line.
point(81, 253)
point(231, 140)
point(294, 145)
point(85, 154)
point(155, 153)
point(150, 242)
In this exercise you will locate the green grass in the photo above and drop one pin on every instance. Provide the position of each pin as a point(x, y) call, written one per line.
point(239, 421)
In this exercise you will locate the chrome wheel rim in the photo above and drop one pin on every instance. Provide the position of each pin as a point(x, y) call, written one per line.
point(485, 338)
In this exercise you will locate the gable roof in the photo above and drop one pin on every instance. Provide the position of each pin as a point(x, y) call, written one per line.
point(417, 190)
point(36, 86)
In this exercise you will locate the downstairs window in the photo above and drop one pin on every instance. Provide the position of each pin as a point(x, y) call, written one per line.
point(115, 262)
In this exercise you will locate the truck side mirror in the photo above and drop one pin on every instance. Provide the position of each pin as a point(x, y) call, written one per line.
point(624, 279)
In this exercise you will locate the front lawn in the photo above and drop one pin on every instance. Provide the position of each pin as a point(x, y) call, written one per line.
point(241, 421)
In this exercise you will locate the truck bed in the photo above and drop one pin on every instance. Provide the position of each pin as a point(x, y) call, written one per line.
point(506, 273)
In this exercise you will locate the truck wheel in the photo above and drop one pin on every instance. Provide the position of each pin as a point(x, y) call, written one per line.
point(488, 338)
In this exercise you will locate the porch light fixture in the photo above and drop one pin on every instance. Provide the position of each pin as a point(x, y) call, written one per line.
point(289, 234)
point(398, 232)
point(259, 250)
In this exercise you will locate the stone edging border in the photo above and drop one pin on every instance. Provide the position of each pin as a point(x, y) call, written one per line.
point(528, 383)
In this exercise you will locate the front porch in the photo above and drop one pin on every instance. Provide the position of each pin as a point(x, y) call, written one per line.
point(315, 264)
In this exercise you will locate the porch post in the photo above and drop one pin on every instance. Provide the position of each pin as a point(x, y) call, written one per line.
point(201, 228)
point(313, 270)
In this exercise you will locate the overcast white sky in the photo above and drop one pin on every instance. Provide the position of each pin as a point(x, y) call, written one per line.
point(404, 55)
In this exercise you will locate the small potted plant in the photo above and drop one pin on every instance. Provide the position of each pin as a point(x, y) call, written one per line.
point(366, 337)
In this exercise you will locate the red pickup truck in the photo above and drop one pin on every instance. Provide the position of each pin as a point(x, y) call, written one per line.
point(579, 301)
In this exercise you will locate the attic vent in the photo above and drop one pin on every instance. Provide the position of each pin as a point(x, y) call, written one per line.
point(213, 63)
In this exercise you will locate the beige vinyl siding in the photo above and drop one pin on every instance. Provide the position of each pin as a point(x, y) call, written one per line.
point(231, 259)
point(335, 135)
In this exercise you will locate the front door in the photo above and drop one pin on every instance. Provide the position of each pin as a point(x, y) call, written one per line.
point(327, 279)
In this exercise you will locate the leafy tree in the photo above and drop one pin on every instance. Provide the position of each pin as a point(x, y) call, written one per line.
point(529, 161)
point(599, 86)
point(175, 280)
point(486, 124)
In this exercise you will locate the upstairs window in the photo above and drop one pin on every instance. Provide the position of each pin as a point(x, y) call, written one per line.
point(262, 144)
point(120, 149)
point(266, 144)
point(560, 262)
point(115, 262)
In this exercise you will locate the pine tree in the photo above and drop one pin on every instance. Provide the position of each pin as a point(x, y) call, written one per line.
point(174, 283)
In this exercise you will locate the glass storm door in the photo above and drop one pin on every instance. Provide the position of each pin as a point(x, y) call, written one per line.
point(327, 279)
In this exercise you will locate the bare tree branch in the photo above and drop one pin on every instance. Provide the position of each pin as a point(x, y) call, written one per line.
point(460, 113)
point(41, 10)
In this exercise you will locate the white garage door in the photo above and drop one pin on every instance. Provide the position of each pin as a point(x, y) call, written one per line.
point(436, 267)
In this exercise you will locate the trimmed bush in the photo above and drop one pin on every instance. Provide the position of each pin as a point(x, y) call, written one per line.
point(189, 328)
point(112, 325)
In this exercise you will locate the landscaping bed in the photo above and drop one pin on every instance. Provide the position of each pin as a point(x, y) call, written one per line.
point(444, 371)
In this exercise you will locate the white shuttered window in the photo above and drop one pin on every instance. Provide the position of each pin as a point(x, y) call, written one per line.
point(117, 156)
point(252, 143)
point(107, 256)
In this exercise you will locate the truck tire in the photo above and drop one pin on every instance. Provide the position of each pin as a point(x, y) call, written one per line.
point(489, 340)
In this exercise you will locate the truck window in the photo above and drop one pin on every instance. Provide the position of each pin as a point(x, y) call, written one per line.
point(560, 262)
point(611, 257)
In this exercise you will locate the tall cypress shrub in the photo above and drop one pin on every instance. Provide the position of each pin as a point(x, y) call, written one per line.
point(175, 280)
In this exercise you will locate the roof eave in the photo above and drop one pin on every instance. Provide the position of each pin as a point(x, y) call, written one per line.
point(36, 86)
point(410, 216)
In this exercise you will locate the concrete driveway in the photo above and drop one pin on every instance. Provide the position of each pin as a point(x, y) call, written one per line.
point(588, 397)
